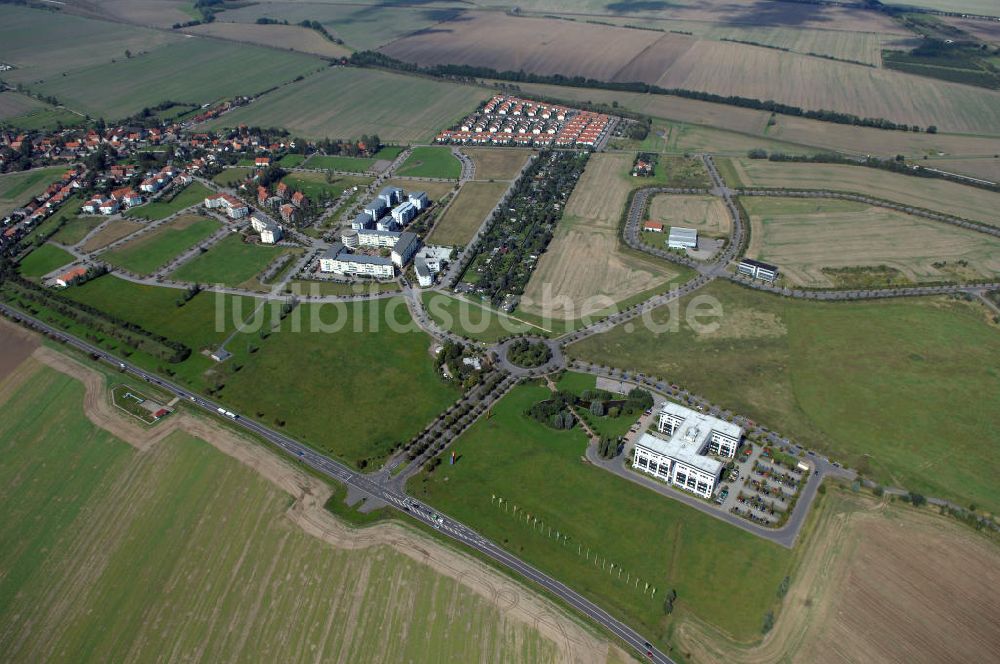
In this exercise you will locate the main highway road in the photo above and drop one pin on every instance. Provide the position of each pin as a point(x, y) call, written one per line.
point(341, 473)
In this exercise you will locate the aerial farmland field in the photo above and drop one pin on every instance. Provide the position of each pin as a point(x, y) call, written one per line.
point(929, 193)
point(431, 162)
point(798, 234)
point(585, 268)
point(285, 37)
point(467, 212)
point(197, 70)
point(344, 102)
point(16, 189)
point(497, 163)
point(235, 574)
point(672, 60)
point(816, 359)
point(707, 214)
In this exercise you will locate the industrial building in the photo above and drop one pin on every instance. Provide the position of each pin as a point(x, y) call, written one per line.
point(682, 238)
point(757, 269)
point(680, 455)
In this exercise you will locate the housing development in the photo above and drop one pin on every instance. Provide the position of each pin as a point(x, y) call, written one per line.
point(528, 333)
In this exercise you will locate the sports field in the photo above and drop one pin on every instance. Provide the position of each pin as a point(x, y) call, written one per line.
point(497, 163)
point(859, 594)
point(197, 70)
point(349, 102)
point(798, 234)
point(816, 361)
point(586, 268)
point(43, 260)
point(467, 212)
point(187, 550)
point(147, 253)
point(232, 262)
point(16, 189)
point(329, 385)
point(430, 162)
point(284, 37)
point(707, 214)
point(192, 194)
point(512, 457)
point(929, 193)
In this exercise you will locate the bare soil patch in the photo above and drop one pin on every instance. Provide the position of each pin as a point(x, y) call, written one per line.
point(16, 345)
point(497, 163)
point(705, 213)
point(467, 212)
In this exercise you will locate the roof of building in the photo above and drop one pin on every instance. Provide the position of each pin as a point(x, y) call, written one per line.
point(687, 452)
point(363, 259)
point(418, 194)
point(653, 224)
point(709, 423)
point(390, 190)
point(420, 267)
point(335, 250)
point(376, 203)
point(766, 266)
point(406, 239)
point(378, 233)
point(684, 234)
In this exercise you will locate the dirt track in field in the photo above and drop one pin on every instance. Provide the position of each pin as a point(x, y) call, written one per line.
point(879, 583)
point(575, 643)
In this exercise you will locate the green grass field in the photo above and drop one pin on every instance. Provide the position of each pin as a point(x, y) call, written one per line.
point(431, 162)
point(76, 228)
point(43, 260)
point(155, 249)
point(894, 388)
point(291, 160)
point(472, 320)
point(605, 425)
point(193, 194)
point(111, 555)
point(29, 114)
point(16, 189)
point(338, 163)
point(232, 176)
point(348, 102)
point(315, 185)
point(231, 262)
point(466, 214)
point(657, 540)
point(195, 70)
point(333, 388)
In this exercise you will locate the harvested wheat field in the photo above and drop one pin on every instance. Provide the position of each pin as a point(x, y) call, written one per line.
point(670, 60)
point(586, 269)
point(185, 541)
point(706, 213)
point(808, 238)
point(497, 163)
point(932, 194)
point(467, 212)
point(881, 583)
point(291, 37)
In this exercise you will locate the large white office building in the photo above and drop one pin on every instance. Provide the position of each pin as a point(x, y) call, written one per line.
point(680, 455)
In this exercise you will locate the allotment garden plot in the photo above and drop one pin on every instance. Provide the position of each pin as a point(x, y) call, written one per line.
point(828, 242)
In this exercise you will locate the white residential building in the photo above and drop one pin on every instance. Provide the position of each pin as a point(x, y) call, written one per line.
point(377, 238)
point(404, 213)
point(424, 276)
point(418, 199)
point(757, 269)
point(338, 260)
point(435, 256)
point(680, 456)
point(271, 234)
point(404, 249)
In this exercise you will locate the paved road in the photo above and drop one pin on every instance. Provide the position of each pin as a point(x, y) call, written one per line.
point(394, 498)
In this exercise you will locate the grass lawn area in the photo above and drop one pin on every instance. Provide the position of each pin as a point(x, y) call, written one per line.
point(75, 229)
point(204, 537)
point(898, 389)
point(388, 152)
point(302, 287)
point(662, 542)
point(16, 189)
point(202, 323)
point(231, 262)
point(472, 320)
point(232, 176)
point(291, 160)
point(339, 163)
point(193, 194)
point(146, 253)
point(43, 260)
point(604, 425)
point(317, 185)
point(431, 162)
point(334, 388)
